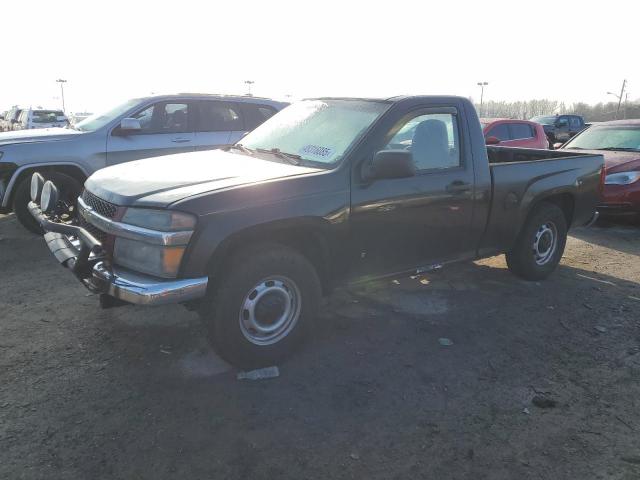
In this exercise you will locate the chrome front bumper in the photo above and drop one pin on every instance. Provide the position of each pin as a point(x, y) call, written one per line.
point(77, 250)
point(132, 287)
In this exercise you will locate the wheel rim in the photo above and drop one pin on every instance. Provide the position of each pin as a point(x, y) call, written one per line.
point(545, 243)
point(270, 310)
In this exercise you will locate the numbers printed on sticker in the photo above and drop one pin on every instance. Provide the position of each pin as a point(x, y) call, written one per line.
point(317, 151)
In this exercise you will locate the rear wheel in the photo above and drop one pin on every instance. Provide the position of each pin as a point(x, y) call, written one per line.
point(69, 189)
point(262, 307)
point(541, 243)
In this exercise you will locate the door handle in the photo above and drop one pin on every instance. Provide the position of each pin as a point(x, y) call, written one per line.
point(180, 140)
point(458, 187)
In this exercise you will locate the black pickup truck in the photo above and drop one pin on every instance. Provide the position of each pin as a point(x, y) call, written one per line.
point(560, 128)
point(328, 191)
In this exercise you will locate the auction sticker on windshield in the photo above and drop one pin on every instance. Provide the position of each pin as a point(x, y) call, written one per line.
point(321, 153)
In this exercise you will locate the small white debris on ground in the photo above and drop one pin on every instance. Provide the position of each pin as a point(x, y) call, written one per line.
point(259, 374)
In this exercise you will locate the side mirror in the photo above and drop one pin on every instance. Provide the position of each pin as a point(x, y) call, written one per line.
point(129, 125)
point(557, 145)
point(492, 141)
point(392, 164)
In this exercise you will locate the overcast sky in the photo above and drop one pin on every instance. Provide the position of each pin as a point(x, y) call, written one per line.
point(113, 50)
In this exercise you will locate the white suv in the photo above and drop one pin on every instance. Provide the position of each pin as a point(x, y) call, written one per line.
point(40, 118)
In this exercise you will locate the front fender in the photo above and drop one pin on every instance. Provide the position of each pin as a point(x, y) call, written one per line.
point(32, 167)
point(217, 233)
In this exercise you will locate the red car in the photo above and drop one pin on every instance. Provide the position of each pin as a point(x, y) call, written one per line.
point(619, 142)
point(514, 133)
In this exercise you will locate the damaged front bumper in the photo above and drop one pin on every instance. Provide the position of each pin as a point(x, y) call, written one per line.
point(79, 251)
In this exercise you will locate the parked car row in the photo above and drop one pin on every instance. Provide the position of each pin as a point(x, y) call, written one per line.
point(326, 191)
point(30, 118)
point(539, 132)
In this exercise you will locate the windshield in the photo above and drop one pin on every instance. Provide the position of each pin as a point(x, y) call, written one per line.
point(608, 138)
point(48, 116)
point(544, 120)
point(99, 120)
point(319, 131)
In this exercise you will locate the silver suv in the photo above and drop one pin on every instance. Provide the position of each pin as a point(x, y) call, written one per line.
point(138, 128)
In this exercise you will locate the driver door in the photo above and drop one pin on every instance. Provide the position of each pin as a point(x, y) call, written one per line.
point(403, 223)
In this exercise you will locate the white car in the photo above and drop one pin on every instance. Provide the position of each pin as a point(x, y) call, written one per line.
point(10, 119)
point(40, 118)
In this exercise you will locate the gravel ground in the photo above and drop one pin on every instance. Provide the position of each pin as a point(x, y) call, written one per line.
point(541, 381)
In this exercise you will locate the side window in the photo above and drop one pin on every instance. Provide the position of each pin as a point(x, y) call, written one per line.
point(521, 130)
point(574, 122)
point(501, 132)
point(255, 114)
point(563, 122)
point(163, 118)
point(431, 138)
point(219, 117)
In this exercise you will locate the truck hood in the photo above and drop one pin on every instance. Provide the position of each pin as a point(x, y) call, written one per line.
point(615, 162)
point(37, 135)
point(160, 181)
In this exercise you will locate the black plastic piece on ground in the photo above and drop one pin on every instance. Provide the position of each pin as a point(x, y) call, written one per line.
point(107, 301)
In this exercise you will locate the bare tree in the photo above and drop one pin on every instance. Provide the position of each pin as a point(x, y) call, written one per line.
point(525, 110)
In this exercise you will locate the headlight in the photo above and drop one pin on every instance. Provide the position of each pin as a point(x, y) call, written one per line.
point(162, 220)
point(142, 257)
point(622, 178)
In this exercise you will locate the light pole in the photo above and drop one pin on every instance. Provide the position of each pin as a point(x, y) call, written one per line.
point(619, 97)
point(62, 82)
point(482, 85)
point(249, 83)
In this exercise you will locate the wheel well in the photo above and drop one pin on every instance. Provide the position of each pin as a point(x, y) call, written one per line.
point(564, 201)
point(305, 240)
point(70, 170)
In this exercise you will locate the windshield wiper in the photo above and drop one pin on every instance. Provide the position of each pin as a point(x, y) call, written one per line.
point(292, 158)
point(621, 149)
point(242, 148)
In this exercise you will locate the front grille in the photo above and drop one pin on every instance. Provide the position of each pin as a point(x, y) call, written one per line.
point(100, 206)
point(95, 231)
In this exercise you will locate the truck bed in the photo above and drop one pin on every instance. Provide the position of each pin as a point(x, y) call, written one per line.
point(498, 155)
point(519, 176)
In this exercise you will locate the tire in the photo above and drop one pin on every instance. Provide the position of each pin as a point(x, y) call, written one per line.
point(540, 244)
point(268, 280)
point(68, 187)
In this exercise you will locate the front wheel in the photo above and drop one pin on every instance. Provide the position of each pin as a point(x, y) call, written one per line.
point(540, 244)
point(262, 307)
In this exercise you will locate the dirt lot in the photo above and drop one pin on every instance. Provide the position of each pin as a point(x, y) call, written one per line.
point(137, 393)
